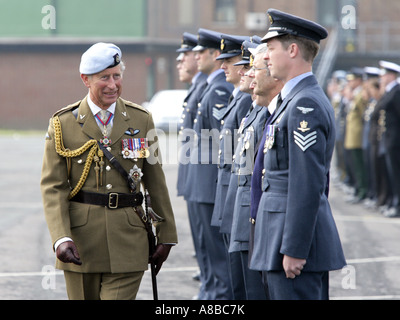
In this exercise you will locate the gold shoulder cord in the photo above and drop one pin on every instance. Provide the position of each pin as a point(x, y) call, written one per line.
point(66, 153)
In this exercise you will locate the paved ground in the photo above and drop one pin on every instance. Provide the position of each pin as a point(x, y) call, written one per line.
point(370, 241)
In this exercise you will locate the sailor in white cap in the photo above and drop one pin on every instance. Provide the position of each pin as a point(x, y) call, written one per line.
point(389, 106)
point(92, 171)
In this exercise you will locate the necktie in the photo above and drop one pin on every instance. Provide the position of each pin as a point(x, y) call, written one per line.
point(279, 101)
point(105, 120)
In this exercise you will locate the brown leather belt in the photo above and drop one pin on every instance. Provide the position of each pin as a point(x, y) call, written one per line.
point(112, 200)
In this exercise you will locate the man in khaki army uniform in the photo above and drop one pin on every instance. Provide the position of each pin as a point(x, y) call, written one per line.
point(99, 238)
point(354, 129)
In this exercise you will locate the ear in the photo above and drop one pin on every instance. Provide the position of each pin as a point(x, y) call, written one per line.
point(85, 80)
point(293, 50)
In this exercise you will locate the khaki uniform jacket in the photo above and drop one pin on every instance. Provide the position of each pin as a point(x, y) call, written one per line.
point(355, 123)
point(107, 240)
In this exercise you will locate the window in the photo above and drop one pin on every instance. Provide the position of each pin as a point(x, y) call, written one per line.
point(225, 11)
point(186, 10)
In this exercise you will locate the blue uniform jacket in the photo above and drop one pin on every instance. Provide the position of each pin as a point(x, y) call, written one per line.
point(232, 119)
point(237, 204)
point(294, 216)
point(202, 171)
point(189, 111)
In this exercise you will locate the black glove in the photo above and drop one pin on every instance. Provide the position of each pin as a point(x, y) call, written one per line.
point(68, 253)
point(160, 255)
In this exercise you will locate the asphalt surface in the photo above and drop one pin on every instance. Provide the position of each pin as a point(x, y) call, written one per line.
point(370, 240)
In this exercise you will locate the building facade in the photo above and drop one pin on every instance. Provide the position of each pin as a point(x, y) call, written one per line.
point(41, 42)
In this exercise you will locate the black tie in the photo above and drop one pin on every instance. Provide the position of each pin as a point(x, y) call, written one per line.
point(279, 102)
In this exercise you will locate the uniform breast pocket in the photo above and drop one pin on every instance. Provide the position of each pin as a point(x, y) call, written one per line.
point(78, 214)
point(277, 156)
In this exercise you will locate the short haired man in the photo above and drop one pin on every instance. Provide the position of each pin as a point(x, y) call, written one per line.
point(92, 211)
point(296, 242)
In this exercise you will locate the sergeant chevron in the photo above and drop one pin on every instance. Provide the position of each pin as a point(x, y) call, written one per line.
point(305, 142)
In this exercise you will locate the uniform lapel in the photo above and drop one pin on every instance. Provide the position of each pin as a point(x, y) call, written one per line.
point(300, 86)
point(87, 121)
point(252, 116)
point(90, 127)
point(120, 125)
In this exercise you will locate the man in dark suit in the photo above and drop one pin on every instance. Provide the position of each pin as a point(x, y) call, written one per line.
point(202, 172)
point(390, 123)
point(296, 242)
point(188, 72)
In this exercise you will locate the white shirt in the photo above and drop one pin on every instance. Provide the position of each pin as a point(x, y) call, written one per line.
point(96, 109)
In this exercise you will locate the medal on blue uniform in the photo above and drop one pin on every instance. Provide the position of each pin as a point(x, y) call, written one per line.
point(270, 140)
point(241, 127)
point(247, 138)
point(137, 148)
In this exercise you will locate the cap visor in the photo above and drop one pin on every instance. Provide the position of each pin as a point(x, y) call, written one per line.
point(199, 48)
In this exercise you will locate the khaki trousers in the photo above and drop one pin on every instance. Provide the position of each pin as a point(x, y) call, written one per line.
point(102, 286)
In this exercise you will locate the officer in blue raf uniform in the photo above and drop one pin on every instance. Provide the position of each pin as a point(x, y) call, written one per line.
point(189, 72)
point(296, 242)
point(231, 117)
point(202, 172)
point(240, 103)
point(236, 211)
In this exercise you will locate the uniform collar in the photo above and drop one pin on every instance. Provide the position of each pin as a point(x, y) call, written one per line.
point(213, 75)
point(391, 85)
point(292, 83)
point(95, 109)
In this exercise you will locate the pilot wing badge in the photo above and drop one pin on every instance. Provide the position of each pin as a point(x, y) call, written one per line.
point(304, 142)
point(305, 110)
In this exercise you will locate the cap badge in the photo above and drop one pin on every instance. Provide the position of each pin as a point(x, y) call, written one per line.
point(117, 60)
point(222, 44)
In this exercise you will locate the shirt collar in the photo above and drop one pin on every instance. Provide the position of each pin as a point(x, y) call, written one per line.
point(95, 109)
point(272, 105)
point(235, 92)
point(292, 83)
point(196, 77)
point(213, 75)
point(390, 85)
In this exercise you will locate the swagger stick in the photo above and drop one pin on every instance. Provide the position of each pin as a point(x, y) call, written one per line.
point(152, 248)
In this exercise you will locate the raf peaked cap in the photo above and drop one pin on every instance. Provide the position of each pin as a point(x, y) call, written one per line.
point(208, 39)
point(231, 46)
point(282, 23)
point(189, 41)
point(354, 73)
point(387, 66)
point(99, 57)
point(254, 42)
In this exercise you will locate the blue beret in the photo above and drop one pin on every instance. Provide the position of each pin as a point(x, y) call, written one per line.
point(189, 41)
point(99, 57)
point(284, 23)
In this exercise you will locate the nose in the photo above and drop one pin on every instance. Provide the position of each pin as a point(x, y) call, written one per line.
point(111, 83)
